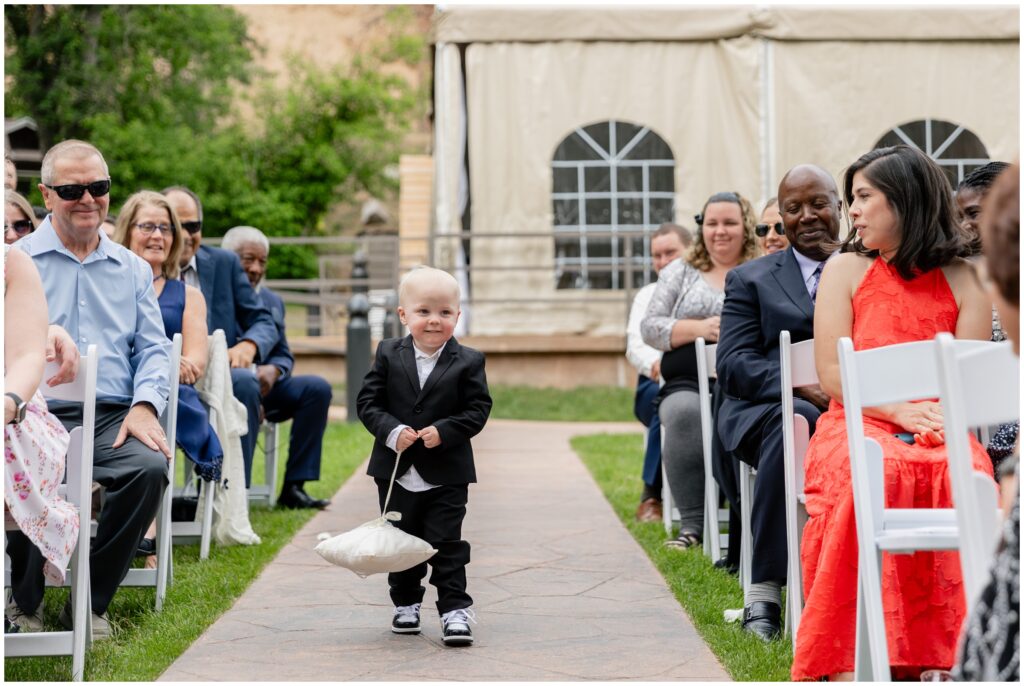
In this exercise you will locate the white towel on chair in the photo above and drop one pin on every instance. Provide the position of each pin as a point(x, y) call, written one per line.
point(228, 419)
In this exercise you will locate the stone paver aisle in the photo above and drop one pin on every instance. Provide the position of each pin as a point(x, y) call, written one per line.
point(562, 591)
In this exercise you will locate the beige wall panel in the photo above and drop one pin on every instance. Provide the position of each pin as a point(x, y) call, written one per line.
point(506, 24)
point(525, 98)
point(816, 23)
point(833, 101)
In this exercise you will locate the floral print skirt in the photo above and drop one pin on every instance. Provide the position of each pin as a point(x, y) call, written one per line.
point(34, 456)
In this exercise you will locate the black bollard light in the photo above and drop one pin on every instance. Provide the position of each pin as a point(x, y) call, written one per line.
point(357, 352)
point(360, 273)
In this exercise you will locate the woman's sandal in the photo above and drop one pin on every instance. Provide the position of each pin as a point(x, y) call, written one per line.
point(686, 539)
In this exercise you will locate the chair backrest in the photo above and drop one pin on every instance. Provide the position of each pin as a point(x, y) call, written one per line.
point(84, 385)
point(796, 362)
point(169, 419)
point(78, 470)
point(797, 369)
point(706, 370)
point(978, 386)
point(889, 374)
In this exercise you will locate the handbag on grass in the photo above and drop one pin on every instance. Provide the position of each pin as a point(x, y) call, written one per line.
point(377, 546)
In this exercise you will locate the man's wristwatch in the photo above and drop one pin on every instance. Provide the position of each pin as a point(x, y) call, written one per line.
point(20, 407)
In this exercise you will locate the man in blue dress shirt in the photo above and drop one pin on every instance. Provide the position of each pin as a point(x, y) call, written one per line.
point(101, 293)
point(231, 305)
point(304, 399)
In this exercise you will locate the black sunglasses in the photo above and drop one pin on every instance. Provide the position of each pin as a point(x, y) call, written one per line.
point(762, 229)
point(22, 227)
point(192, 227)
point(75, 191)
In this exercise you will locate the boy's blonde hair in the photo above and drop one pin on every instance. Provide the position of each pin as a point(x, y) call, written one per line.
point(425, 277)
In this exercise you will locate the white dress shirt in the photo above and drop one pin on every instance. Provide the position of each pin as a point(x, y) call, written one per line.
point(190, 273)
point(411, 480)
point(639, 354)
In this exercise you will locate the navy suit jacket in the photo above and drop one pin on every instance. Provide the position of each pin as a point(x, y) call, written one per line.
point(281, 356)
point(231, 302)
point(454, 399)
point(763, 297)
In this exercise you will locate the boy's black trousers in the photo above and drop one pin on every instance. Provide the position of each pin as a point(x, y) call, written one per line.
point(436, 517)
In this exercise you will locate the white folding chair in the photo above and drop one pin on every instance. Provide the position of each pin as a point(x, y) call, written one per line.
point(270, 432)
point(185, 531)
point(977, 388)
point(159, 577)
point(78, 491)
point(870, 378)
point(714, 541)
point(797, 370)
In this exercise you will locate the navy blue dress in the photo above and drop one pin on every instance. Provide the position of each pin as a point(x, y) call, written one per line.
point(195, 437)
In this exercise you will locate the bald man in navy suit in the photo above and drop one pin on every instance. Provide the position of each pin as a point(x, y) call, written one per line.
point(764, 297)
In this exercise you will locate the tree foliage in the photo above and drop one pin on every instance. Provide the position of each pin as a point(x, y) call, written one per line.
point(159, 96)
point(175, 64)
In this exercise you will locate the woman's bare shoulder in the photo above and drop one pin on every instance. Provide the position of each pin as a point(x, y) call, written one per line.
point(848, 265)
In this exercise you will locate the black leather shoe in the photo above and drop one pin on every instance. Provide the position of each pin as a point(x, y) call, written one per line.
point(763, 619)
point(294, 498)
point(147, 547)
point(731, 567)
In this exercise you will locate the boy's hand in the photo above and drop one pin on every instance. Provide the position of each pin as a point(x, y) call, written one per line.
point(431, 438)
point(406, 438)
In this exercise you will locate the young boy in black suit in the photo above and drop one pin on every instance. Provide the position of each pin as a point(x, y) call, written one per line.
point(425, 397)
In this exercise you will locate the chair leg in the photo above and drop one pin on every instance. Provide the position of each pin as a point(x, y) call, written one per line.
point(163, 548)
point(871, 661)
point(666, 493)
point(270, 436)
point(204, 540)
point(746, 538)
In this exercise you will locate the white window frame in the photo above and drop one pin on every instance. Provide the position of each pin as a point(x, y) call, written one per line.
point(934, 151)
point(613, 162)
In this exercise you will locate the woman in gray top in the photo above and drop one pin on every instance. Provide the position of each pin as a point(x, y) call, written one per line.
point(686, 306)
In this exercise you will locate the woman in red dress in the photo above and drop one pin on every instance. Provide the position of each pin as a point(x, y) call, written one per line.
point(900, 277)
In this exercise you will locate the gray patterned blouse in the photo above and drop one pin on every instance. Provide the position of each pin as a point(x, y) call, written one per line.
point(682, 293)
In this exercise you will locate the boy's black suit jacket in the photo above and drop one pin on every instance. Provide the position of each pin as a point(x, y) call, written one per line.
point(454, 399)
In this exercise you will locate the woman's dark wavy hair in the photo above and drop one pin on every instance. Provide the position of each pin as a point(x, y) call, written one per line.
point(920, 196)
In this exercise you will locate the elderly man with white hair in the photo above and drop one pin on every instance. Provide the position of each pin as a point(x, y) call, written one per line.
point(303, 399)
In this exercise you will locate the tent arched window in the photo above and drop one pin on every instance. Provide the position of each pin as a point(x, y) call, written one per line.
point(613, 185)
point(956, 149)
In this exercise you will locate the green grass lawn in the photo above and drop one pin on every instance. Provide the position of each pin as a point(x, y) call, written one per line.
point(146, 642)
point(582, 404)
point(615, 460)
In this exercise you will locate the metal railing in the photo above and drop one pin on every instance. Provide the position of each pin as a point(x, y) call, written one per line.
point(388, 257)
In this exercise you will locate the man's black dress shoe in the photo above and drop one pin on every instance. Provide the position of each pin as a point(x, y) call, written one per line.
point(731, 567)
point(294, 498)
point(763, 619)
point(147, 546)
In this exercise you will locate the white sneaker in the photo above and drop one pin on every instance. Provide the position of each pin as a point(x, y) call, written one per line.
point(406, 619)
point(24, 621)
point(455, 627)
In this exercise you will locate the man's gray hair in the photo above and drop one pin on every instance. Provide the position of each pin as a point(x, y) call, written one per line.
point(235, 238)
point(69, 148)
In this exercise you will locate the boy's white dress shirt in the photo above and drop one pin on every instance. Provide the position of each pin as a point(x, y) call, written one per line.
point(411, 480)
